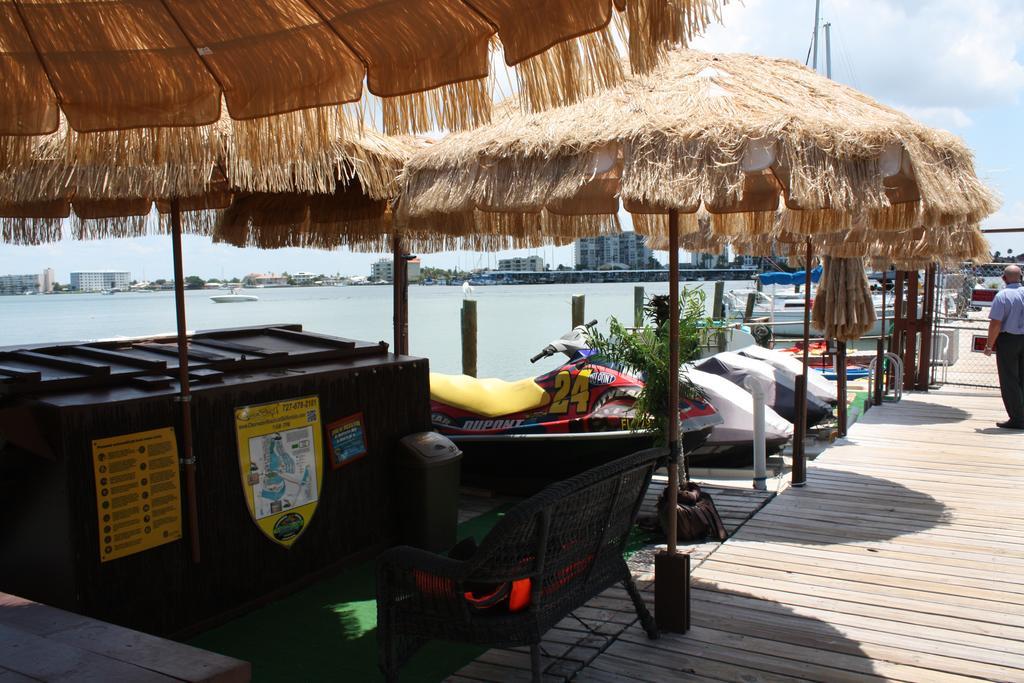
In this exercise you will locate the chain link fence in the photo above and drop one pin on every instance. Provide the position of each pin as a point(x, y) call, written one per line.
point(963, 297)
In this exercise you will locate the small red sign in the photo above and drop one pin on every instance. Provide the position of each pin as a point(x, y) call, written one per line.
point(978, 342)
point(983, 296)
point(346, 439)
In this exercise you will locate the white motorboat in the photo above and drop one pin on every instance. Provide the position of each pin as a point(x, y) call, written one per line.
point(784, 311)
point(235, 297)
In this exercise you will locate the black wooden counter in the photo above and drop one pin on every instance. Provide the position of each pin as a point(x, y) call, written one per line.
point(56, 400)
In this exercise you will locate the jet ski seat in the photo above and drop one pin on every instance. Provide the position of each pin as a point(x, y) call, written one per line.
point(487, 397)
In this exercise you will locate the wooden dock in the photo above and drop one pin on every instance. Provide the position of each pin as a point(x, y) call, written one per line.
point(43, 643)
point(902, 559)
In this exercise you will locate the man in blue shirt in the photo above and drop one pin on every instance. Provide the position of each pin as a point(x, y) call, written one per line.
point(1006, 337)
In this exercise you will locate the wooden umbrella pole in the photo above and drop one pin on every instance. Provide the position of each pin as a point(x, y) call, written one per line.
point(188, 457)
point(400, 286)
point(927, 321)
point(673, 368)
point(672, 568)
point(880, 350)
point(841, 388)
point(799, 474)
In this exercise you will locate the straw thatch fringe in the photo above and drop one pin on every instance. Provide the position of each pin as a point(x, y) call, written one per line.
point(507, 230)
point(149, 161)
point(367, 234)
point(695, 232)
point(570, 71)
point(41, 180)
point(324, 221)
point(427, 243)
point(510, 185)
point(655, 225)
point(546, 226)
point(111, 227)
point(895, 217)
point(30, 231)
point(820, 177)
point(369, 159)
point(750, 223)
point(843, 308)
point(15, 149)
point(812, 221)
point(943, 169)
point(655, 25)
point(659, 170)
point(943, 244)
point(129, 219)
point(103, 193)
point(286, 152)
point(456, 106)
point(497, 232)
point(199, 223)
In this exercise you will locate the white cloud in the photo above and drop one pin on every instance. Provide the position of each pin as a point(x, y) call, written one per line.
point(1011, 215)
point(940, 117)
point(941, 54)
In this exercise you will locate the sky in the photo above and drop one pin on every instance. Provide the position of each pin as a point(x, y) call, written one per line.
point(951, 64)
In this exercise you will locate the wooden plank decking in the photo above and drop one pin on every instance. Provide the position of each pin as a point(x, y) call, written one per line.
point(902, 559)
point(43, 643)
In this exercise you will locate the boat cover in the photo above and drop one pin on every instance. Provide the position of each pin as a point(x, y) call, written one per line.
point(781, 384)
point(817, 384)
point(736, 406)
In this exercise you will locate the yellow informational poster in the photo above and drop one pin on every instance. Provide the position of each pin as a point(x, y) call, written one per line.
point(138, 494)
point(280, 452)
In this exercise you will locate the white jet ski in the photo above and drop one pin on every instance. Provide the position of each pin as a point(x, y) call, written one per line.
point(781, 384)
point(730, 444)
point(817, 384)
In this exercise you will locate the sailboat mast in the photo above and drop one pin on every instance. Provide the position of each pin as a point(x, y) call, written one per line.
point(828, 50)
point(814, 40)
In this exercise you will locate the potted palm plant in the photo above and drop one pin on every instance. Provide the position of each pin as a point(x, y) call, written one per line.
point(644, 352)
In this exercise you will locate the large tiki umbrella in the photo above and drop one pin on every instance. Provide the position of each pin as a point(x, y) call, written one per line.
point(114, 200)
point(740, 136)
point(146, 65)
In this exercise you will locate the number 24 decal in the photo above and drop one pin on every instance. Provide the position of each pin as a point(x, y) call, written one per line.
point(569, 392)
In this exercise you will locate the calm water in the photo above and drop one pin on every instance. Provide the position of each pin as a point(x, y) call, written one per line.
point(514, 322)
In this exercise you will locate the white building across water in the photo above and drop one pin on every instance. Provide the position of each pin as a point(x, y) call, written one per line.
point(99, 280)
point(28, 283)
point(384, 270)
point(519, 264)
point(627, 250)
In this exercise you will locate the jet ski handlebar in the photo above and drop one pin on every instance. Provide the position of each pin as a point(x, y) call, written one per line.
point(574, 340)
point(548, 350)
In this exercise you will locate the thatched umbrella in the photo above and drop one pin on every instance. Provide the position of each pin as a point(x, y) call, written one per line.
point(732, 134)
point(153, 72)
point(117, 200)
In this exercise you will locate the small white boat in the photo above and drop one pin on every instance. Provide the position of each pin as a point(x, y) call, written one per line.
point(235, 297)
point(785, 310)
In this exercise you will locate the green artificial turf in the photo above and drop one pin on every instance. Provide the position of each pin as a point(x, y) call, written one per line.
point(858, 406)
point(328, 631)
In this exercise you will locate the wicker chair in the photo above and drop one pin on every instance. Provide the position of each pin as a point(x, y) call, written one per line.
point(568, 540)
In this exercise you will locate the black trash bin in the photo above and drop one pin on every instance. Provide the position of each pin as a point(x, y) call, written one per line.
point(429, 509)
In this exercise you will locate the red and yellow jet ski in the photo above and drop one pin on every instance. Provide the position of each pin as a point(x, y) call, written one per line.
point(516, 436)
